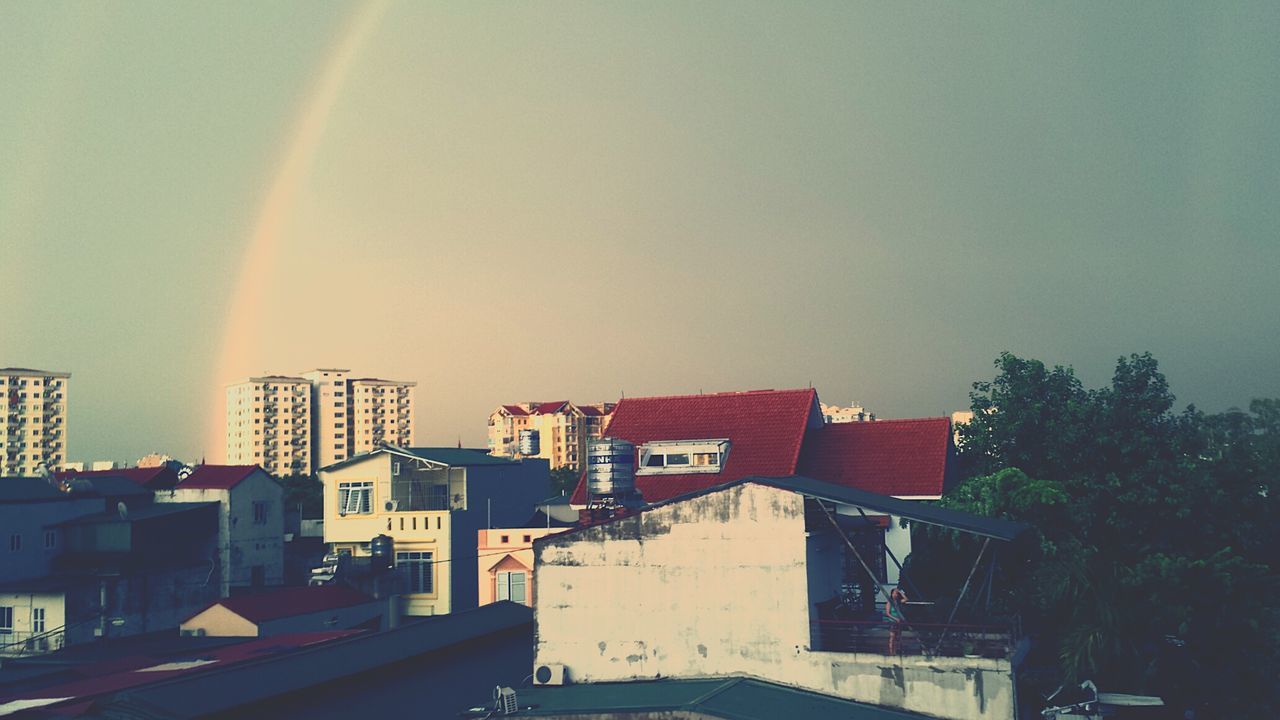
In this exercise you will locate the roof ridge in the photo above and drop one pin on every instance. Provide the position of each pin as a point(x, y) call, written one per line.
point(727, 393)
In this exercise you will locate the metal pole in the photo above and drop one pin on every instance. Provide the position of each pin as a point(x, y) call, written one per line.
point(915, 592)
point(963, 590)
point(870, 573)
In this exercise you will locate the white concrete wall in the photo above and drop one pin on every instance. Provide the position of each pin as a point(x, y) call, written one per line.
point(718, 585)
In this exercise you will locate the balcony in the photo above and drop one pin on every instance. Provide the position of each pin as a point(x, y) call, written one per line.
point(876, 637)
point(19, 644)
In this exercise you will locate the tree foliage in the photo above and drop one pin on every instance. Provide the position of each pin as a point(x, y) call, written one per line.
point(1154, 565)
point(564, 480)
point(305, 491)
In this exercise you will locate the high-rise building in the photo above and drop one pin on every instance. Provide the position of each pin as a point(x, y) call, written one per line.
point(269, 424)
point(339, 418)
point(33, 430)
point(557, 431)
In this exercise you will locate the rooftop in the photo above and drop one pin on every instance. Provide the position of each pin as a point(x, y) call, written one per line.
point(156, 478)
point(765, 428)
point(28, 489)
point(218, 477)
point(903, 458)
point(140, 513)
point(736, 698)
point(288, 602)
point(29, 372)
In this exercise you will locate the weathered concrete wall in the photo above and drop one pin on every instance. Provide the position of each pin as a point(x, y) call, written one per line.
point(718, 585)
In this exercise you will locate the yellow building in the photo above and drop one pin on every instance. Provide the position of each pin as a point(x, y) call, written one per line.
point(555, 431)
point(431, 502)
point(33, 426)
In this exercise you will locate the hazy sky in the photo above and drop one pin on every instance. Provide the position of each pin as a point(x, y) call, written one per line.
point(515, 201)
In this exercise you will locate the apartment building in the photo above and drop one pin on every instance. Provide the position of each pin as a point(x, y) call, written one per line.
point(269, 424)
point(555, 431)
point(854, 413)
point(317, 418)
point(33, 429)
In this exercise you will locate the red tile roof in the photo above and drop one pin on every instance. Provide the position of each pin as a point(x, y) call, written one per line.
point(591, 410)
point(549, 408)
point(515, 409)
point(289, 602)
point(765, 429)
point(155, 478)
point(218, 477)
point(903, 458)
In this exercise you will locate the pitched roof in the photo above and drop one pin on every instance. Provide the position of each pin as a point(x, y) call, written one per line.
point(156, 478)
point(218, 477)
point(515, 410)
point(289, 602)
point(765, 429)
point(591, 410)
point(27, 489)
point(459, 457)
point(109, 485)
point(903, 458)
point(548, 408)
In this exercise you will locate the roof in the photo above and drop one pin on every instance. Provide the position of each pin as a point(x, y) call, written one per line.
point(289, 602)
point(591, 410)
point(108, 485)
point(904, 458)
point(738, 698)
point(27, 489)
point(459, 457)
point(30, 372)
point(218, 477)
point(514, 410)
point(135, 514)
point(548, 408)
point(765, 429)
point(156, 478)
point(213, 692)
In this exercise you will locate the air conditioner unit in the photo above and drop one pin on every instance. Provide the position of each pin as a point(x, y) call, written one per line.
point(393, 505)
point(551, 675)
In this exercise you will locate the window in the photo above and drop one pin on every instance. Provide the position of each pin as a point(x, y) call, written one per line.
point(505, 539)
point(528, 538)
point(260, 513)
point(355, 498)
point(50, 539)
point(37, 620)
point(416, 571)
point(682, 457)
point(6, 620)
point(511, 586)
point(15, 542)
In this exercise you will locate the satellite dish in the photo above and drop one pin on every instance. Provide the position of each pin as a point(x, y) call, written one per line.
point(184, 472)
point(123, 510)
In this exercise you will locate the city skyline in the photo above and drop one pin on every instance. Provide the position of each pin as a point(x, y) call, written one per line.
point(556, 201)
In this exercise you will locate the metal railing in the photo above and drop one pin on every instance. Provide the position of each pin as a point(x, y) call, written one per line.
point(927, 639)
point(30, 643)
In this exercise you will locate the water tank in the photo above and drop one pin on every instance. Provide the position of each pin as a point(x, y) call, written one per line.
point(611, 468)
point(382, 550)
point(529, 444)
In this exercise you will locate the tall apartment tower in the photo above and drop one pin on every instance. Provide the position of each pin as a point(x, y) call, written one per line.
point(297, 425)
point(269, 424)
point(330, 415)
point(381, 413)
point(33, 429)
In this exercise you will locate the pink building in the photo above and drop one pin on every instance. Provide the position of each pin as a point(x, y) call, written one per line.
point(505, 555)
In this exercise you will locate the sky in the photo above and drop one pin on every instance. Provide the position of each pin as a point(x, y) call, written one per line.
point(581, 200)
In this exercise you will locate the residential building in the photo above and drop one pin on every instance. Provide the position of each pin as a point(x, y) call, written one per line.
point(759, 577)
point(286, 611)
point(250, 521)
point(555, 431)
point(853, 413)
point(504, 556)
point(161, 477)
point(269, 424)
point(30, 510)
point(293, 425)
point(431, 502)
point(381, 414)
point(33, 430)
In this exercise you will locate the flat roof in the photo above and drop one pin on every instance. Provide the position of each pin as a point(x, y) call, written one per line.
point(30, 372)
point(737, 698)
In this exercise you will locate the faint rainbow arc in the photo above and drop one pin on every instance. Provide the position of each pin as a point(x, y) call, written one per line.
point(234, 355)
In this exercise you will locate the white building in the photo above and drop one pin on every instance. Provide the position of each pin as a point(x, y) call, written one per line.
point(269, 424)
point(33, 429)
point(750, 578)
point(250, 525)
point(853, 413)
point(293, 425)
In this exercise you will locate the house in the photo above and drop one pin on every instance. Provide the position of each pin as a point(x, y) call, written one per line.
point(250, 524)
point(431, 502)
point(287, 611)
point(504, 556)
point(692, 442)
point(769, 578)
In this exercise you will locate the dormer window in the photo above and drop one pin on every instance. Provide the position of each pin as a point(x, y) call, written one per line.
point(681, 457)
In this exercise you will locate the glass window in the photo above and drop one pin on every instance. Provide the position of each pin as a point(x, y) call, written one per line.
point(355, 498)
point(6, 619)
point(416, 570)
point(511, 586)
point(50, 539)
point(655, 460)
point(15, 542)
point(37, 620)
point(677, 459)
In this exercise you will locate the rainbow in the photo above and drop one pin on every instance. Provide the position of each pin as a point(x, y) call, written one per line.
point(236, 358)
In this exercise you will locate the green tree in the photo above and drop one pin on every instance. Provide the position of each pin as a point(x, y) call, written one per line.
point(305, 491)
point(564, 480)
point(1153, 566)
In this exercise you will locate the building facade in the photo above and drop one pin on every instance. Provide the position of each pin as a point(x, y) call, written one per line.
point(431, 502)
point(293, 425)
point(853, 413)
point(560, 430)
point(269, 424)
point(33, 431)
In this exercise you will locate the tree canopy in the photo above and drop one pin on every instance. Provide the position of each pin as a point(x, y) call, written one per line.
point(1155, 563)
